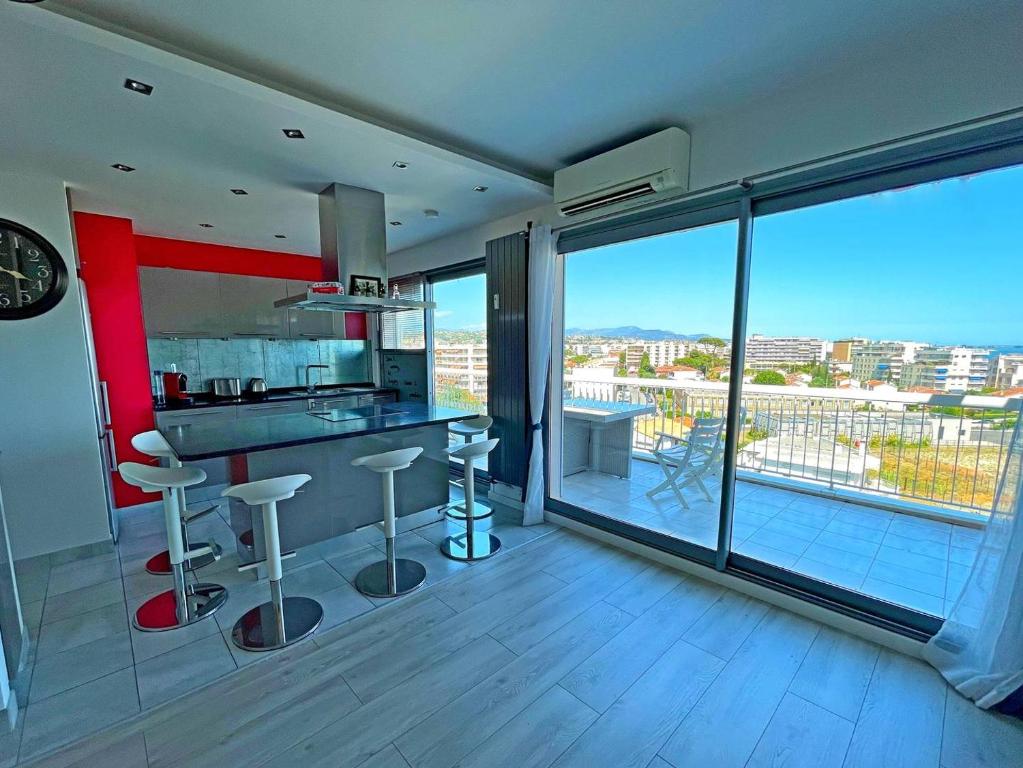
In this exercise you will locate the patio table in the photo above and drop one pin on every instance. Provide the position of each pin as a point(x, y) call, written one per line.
point(597, 435)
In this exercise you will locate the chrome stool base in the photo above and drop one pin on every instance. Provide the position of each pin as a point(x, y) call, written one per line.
point(484, 545)
point(482, 510)
point(160, 565)
point(409, 575)
point(160, 613)
point(260, 629)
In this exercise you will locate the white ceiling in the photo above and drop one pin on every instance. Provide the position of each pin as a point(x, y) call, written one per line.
point(64, 111)
point(468, 91)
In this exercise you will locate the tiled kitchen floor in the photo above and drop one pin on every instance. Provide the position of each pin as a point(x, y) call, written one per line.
point(90, 668)
point(921, 564)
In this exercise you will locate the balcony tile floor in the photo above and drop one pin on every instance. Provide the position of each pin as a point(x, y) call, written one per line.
point(911, 561)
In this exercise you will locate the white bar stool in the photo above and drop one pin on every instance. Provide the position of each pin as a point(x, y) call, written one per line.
point(391, 576)
point(152, 443)
point(471, 545)
point(467, 429)
point(283, 620)
point(184, 604)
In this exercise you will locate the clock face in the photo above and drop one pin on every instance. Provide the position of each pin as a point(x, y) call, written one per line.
point(33, 277)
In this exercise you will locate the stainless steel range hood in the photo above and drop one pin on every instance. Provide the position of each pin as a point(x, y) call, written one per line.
point(353, 242)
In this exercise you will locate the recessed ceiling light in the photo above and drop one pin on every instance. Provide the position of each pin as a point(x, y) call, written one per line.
point(293, 133)
point(280, 237)
point(122, 167)
point(206, 226)
point(430, 213)
point(400, 164)
point(239, 191)
point(395, 223)
point(480, 188)
point(138, 86)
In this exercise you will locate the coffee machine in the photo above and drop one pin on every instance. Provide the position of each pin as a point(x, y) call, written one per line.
point(175, 387)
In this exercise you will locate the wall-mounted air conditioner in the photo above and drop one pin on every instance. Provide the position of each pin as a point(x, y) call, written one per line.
point(642, 169)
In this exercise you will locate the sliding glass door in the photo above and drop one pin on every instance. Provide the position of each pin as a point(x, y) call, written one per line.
point(874, 389)
point(644, 370)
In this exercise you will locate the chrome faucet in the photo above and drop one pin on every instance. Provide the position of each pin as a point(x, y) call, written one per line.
point(308, 384)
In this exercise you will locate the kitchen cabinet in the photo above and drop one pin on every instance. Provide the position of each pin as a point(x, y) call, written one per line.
point(247, 306)
point(305, 324)
point(178, 302)
point(272, 409)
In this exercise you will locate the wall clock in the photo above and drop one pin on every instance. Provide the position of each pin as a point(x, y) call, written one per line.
point(33, 276)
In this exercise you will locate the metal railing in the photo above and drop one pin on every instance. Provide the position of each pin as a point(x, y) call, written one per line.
point(944, 451)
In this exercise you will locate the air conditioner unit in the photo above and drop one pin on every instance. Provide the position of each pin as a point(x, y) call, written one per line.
point(644, 168)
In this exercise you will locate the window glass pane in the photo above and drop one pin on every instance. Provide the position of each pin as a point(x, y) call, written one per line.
point(859, 464)
point(404, 330)
point(645, 380)
point(460, 343)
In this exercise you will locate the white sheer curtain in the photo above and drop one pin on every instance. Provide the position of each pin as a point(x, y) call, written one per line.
point(979, 649)
point(542, 251)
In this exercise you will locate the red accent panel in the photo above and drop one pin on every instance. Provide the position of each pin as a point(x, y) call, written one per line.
point(238, 468)
point(205, 257)
point(355, 325)
point(106, 248)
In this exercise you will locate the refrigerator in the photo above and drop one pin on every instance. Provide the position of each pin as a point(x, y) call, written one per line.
point(101, 411)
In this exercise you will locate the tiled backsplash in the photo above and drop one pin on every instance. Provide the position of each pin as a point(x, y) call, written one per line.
point(281, 362)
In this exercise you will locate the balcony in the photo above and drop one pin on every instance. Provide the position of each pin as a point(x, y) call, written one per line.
point(886, 496)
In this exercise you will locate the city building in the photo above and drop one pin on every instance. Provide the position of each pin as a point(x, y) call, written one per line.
point(968, 369)
point(679, 372)
point(767, 352)
point(1007, 372)
point(842, 351)
point(882, 360)
point(666, 352)
point(462, 366)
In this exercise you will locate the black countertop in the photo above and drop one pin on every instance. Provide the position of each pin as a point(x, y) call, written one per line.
point(209, 441)
point(206, 400)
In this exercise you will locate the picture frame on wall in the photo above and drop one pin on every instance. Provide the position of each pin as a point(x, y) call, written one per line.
point(364, 285)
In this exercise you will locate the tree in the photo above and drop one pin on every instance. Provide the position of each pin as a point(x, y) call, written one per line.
point(620, 368)
point(646, 370)
point(769, 377)
point(711, 341)
point(702, 361)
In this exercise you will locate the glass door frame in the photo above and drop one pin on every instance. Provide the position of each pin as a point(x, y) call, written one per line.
point(470, 268)
point(972, 151)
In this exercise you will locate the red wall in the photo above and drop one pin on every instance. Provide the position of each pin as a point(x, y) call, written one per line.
point(205, 257)
point(106, 248)
point(110, 254)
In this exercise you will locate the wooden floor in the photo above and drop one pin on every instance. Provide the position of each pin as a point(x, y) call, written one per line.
point(567, 652)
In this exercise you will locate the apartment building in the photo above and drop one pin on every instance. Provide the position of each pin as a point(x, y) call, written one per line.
point(968, 368)
point(883, 360)
point(666, 352)
point(463, 366)
point(765, 352)
point(1006, 372)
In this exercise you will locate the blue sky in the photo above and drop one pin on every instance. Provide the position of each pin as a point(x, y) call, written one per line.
point(939, 262)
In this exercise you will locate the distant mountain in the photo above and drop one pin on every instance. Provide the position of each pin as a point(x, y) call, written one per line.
point(634, 332)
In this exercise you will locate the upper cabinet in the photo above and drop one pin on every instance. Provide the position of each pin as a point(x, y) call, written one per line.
point(177, 302)
point(187, 304)
point(308, 324)
point(247, 306)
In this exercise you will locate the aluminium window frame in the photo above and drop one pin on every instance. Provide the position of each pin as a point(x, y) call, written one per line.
point(967, 151)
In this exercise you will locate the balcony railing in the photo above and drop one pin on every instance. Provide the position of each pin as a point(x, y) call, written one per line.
point(945, 452)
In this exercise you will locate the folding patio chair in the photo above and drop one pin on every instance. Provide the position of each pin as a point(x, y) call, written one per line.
point(687, 461)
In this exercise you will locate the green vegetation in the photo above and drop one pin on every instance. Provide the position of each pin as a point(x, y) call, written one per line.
point(711, 341)
point(646, 370)
point(769, 377)
point(703, 362)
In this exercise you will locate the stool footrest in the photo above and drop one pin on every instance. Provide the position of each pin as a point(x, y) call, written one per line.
point(257, 563)
point(195, 513)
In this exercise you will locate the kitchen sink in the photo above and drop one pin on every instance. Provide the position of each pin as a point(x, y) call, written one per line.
point(317, 393)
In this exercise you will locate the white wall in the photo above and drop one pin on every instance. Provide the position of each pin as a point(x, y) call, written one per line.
point(50, 466)
point(837, 112)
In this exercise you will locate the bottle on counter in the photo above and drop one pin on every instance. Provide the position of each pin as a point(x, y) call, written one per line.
point(159, 393)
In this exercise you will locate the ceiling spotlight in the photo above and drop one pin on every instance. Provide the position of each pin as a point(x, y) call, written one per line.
point(280, 237)
point(239, 191)
point(122, 167)
point(293, 133)
point(430, 213)
point(206, 226)
point(399, 164)
point(138, 86)
point(480, 188)
point(395, 223)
